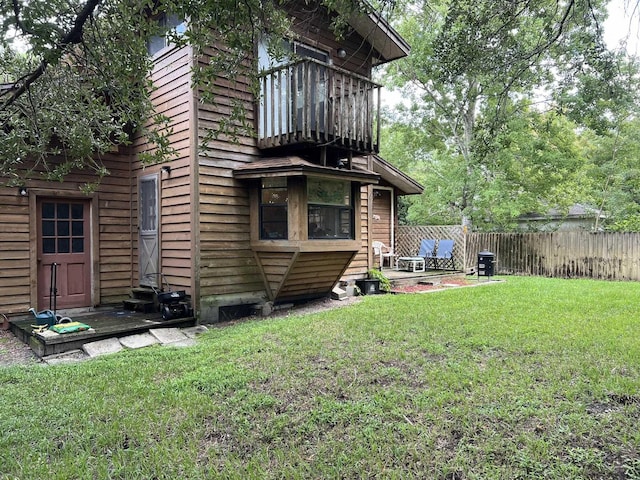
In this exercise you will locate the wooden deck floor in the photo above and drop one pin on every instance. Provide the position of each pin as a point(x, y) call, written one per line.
point(105, 323)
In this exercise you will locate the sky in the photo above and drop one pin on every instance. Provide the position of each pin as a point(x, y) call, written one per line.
point(623, 25)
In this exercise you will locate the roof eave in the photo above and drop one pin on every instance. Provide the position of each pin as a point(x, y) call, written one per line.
point(381, 35)
point(308, 170)
point(400, 180)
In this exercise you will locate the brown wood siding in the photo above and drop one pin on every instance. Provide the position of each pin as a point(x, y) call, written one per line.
point(116, 231)
point(381, 225)
point(275, 266)
point(361, 262)
point(313, 274)
point(111, 235)
point(228, 267)
point(310, 23)
point(14, 244)
point(173, 98)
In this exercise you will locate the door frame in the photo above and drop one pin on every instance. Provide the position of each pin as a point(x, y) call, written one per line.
point(34, 195)
point(372, 220)
point(392, 213)
point(142, 280)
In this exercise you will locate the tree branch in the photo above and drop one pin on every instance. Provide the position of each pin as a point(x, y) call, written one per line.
point(73, 37)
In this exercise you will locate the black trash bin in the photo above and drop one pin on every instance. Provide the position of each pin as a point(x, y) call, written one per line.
point(486, 264)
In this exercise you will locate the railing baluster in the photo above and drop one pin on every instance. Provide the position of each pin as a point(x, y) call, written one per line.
point(272, 107)
point(278, 132)
point(262, 133)
point(375, 144)
point(308, 100)
point(287, 99)
point(306, 106)
point(295, 127)
point(340, 131)
point(331, 106)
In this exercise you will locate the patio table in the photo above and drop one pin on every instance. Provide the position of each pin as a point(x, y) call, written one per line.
point(410, 264)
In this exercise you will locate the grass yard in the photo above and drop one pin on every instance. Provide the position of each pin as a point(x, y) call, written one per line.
point(529, 378)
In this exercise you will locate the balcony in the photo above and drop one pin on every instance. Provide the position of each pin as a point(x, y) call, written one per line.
point(309, 103)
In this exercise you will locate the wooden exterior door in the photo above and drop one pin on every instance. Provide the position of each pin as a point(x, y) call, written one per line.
point(382, 227)
point(64, 240)
point(148, 241)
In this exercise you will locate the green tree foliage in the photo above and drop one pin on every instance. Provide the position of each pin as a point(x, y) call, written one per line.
point(538, 160)
point(484, 150)
point(606, 102)
point(78, 90)
point(613, 172)
point(74, 73)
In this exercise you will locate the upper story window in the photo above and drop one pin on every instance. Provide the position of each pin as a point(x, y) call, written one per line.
point(330, 209)
point(274, 198)
point(271, 56)
point(305, 51)
point(169, 23)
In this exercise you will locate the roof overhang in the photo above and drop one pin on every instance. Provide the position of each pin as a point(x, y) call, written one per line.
point(377, 31)
point(401, 181)
point(294, 166)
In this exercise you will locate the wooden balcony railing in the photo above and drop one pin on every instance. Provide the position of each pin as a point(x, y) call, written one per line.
point(308, 101)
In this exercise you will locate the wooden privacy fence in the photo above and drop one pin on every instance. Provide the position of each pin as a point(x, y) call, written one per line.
point(600, 255)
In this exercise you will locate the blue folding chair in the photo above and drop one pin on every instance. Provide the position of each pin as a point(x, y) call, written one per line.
point(427, 248)
point(443, 257)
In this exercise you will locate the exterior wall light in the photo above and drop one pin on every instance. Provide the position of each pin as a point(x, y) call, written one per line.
point(166, 169)
point(22, 191)
point(342, 53)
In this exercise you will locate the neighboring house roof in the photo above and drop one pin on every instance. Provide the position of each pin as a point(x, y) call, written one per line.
point(377, 31)
point(576, 211)
point(403, 182)
point(577, 217)
point(293, 165)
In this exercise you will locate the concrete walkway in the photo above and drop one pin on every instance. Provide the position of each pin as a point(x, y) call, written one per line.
point(170, 337)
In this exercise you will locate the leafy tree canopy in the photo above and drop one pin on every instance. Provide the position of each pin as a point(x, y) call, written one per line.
point(474, 124)
point(74, 73)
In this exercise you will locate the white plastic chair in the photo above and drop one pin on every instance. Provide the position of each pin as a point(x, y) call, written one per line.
point(383, 252)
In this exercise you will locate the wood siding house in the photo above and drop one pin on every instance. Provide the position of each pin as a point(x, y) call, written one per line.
point(282, 216)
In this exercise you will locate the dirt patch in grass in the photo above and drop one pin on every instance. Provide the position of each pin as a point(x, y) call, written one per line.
point(443, 283)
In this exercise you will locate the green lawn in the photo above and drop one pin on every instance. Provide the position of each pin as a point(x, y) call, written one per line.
point(529, 378)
